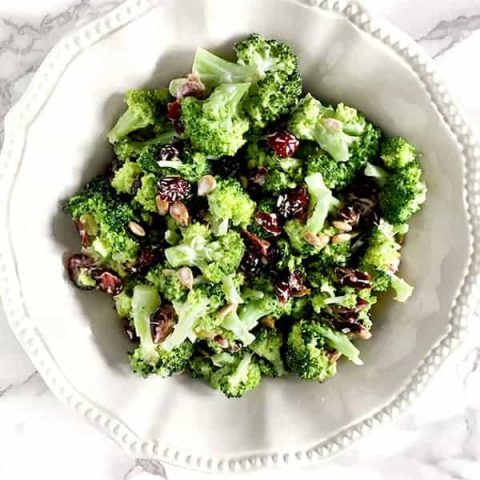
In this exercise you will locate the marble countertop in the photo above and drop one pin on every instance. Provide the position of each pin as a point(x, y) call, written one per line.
point(438, 439)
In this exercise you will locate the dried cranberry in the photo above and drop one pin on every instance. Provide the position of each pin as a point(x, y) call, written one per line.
point(179, 128)
point(296, 281)
point(193, 87)
point(349, 214)
point(284, 143)
point(293, 203)
point(162, 323)
point(82, 231)
point(258, 176)
point(168, 152)
point(353, 278)
point(221, 341)
point(173, 189)
point(250, 263)
point(174, 110)
point(345, 326)
point(147, 257)
point(78, 264)
point(109, 282)
point(269, 222)
point(255, 243)
point(282, 290)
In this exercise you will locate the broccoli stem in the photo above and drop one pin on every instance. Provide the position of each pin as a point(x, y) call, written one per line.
point(213, 70)
point(340, 342)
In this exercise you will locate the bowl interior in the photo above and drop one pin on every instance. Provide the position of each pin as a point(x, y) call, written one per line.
point(66, 146)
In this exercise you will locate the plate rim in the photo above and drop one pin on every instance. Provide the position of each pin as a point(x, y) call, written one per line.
point(37, 94)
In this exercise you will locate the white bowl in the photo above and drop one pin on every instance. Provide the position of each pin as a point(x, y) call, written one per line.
point(55, 139)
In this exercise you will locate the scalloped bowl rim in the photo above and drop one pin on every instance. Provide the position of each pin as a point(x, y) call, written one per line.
point(16, 127)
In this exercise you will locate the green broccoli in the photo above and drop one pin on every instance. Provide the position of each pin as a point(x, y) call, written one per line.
point(166, 281)
point(229, 203)
point(246, 318)
point(342, 132)
point(237, 378)
point(216, 126)
point(397, 153)
point(321, 203)
point(147, 193)
point(145, 108)
point(270, 66)
point(214, 258)
point(267, 346)
point(130, 149)
point(381, 259)
point(307, 353)
point(282, 173)
point(105, 217)
point(125, 177)
point(403, 194)
point(150, 357)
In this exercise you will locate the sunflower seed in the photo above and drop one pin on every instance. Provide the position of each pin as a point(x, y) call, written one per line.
point(136, 229)
point(341, 238)
point(227, 310)
point(179, 213)
point(185, 275)
point(343, 226)
point(162, 205)
point(317, 241)
point(206, 185)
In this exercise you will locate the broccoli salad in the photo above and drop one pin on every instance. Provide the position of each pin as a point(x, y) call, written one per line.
point(245, 228)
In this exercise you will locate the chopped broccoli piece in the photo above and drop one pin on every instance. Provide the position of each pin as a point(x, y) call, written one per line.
point(230, 203)
point(397, 153)
point(150, 357)
point(343, 133)
point(216, 126)
point(166, 281)
point(214, 259)
point(125, 177)
point(402, 289)
point(307, 353)
point(107, 217)
point(403, 194)
point(267, 346)
point(123, 304)
point(147, 192)
point(144, 109)
point(237, 378)
point(378, 173)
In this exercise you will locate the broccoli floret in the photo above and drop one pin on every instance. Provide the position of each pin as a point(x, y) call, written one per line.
point(397, 153)
point(130, 149)
point(241, 322)
point(270, 66)
point(123, 304)
point(166, 281)
point(403, 194)
point(379, 174)
point(147, 192)
point(150, 357)
point(190, 165)
point(307, 350)
point(321, 203)
point(307, 353)
point(282, 173)
point(237, 378)
point(230, 203)
point(145, 108)
point(214, 259)
point(267, 345)
point(105, 216)
point(342, 132)
point(200, 366)
point(382, 257)
point(216, 126)
point(286, 259)
point(125, 176)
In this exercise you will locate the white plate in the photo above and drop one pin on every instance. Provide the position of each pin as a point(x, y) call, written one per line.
point(55, 140)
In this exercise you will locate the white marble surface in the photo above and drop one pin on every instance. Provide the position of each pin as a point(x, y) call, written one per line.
point(439, 439)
